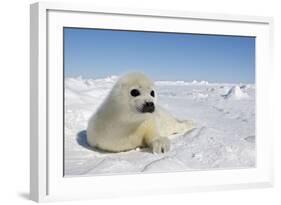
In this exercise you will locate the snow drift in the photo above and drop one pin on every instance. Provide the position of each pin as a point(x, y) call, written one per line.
point(236, 93)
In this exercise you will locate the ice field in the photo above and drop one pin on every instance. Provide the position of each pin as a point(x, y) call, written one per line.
point(224, 137)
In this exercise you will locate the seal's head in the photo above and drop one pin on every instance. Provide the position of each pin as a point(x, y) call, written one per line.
point(136, 92)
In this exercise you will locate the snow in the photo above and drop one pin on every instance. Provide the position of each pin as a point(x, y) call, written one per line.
point(180, 82)
point(223, 139)
point(236, 93)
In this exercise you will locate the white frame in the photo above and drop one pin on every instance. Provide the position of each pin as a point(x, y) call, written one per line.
point(46, 22)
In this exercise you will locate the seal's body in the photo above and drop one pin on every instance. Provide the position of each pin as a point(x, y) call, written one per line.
point(129, 118)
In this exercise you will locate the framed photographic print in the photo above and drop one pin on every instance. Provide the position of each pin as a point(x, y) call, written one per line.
point(127, 102)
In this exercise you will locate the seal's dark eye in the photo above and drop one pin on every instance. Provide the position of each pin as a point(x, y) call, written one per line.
point(135, 92)
point(152, 93)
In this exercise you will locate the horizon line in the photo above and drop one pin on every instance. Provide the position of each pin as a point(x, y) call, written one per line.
point(160, 80)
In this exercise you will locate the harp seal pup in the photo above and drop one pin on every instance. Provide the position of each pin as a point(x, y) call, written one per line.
point(129, 118)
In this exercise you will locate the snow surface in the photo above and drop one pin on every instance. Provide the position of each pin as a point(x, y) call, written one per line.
point(223, 139)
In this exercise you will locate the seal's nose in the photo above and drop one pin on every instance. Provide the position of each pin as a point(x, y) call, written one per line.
point(148, 107)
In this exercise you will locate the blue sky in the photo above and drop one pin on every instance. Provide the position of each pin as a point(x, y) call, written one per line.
point(94, 53)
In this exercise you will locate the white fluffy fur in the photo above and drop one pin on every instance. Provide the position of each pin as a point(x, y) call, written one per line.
point(118, 125)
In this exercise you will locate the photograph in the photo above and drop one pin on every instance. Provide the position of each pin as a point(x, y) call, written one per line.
point(155, 102)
